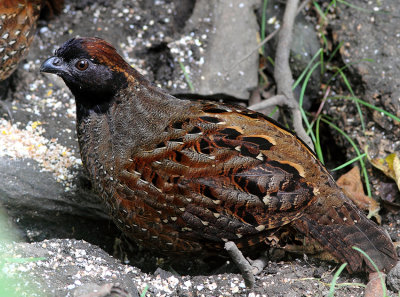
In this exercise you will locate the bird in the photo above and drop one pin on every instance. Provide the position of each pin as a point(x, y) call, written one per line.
point(183, 177)
point(18, 20)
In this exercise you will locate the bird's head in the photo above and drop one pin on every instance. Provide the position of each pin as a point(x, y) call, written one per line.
point(91, 68)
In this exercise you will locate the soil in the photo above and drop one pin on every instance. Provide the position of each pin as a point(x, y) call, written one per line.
point(146, 33)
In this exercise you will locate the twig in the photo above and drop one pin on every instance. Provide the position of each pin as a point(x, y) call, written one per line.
point(255, 96)
point(282, 73)
point(321, 106)
point(271, 101)
point(240, 261)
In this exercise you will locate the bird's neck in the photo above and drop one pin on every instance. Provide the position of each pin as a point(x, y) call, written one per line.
point(144, 111)
point(135, 119)
point(99, 98)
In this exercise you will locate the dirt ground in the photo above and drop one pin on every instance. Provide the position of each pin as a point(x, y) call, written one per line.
point(151, 36)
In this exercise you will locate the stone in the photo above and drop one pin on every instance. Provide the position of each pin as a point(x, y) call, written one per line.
point(231, 37)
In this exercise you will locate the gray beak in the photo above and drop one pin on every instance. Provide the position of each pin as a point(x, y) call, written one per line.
point(53, 65)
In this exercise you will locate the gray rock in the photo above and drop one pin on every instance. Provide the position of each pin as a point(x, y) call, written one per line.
point(393, 278)
point(65, 267)
point(305, 44)
point(41, 208)
point(231, 37)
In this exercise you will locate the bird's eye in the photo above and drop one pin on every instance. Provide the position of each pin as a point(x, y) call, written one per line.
point(82, 64)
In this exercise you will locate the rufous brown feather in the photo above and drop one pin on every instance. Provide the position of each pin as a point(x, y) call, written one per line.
point(184, 177)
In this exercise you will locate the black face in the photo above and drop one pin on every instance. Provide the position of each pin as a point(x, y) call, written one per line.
point(81, 74)
point(93, 84)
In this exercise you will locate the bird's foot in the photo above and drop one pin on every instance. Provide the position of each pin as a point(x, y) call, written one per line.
point(249, 268)
point(244, 266)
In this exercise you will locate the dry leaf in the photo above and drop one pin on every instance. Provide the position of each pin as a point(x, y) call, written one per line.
point(352, 184)
point(396, 170)
point(384, 164)
point(390, 166)
point(374, 287)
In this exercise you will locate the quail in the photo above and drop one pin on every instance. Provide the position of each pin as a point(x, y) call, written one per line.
point(183, 177)
point(17, 28)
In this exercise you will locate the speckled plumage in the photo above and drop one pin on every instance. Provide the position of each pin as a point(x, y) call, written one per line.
point(17, 29)
point(185, 177)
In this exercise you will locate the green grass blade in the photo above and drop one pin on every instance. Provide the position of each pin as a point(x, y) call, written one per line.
point(376, 268)
point(269, 59)
point(324, 40)
point(390, 115)
point(362, 164)
point(302, 92)
point(346, 81)
point(377, 109)
point(305, 83)
point(298, 80)
point(349, 162)
point(345, 67)
point(332, 4)
point(359, 8)
point(318, 149)
point(334, 52)
point(320, 12)
point(355, 6)
point(322, 61)
point(273, 111)
point(143, 294)
point(334, 280)
point(189, 82)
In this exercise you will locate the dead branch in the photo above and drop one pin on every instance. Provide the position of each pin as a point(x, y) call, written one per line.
point(283, 74)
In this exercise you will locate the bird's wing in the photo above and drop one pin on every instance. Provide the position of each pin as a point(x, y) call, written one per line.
point(212, 174)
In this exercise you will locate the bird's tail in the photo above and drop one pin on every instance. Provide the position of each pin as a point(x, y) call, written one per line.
point(338, 225)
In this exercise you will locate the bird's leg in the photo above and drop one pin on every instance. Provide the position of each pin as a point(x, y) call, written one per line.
point(259, 264)
point(4, 106)
point(249, 268)
point(244, 266)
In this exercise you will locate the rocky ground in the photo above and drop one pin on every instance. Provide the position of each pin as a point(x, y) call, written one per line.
point(43, 188)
